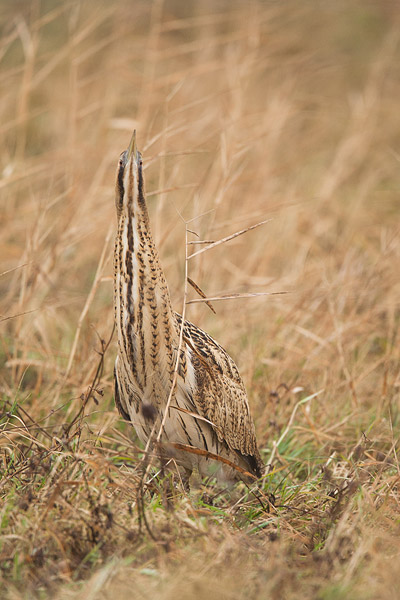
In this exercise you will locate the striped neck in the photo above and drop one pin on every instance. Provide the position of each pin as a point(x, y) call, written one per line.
point(145, 322)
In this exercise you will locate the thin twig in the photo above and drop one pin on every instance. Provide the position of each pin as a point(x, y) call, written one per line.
point(235, 296)
point(229, 237)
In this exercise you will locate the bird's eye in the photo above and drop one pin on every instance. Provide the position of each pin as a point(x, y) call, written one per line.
point(140, 163)
point(122, 159)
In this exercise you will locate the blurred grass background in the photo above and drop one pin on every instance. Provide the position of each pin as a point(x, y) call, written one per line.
point(244, 112)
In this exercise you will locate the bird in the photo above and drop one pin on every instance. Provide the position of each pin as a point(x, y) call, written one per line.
point(206, 422)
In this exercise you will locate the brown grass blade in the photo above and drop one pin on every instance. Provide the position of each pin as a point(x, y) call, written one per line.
point(15, 268)
point(207, 454)
point(26, 312)
point(202, 294)
point(229, 237)
point(235, 296)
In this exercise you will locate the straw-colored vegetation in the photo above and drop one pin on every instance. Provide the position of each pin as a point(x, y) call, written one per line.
point(244, 111)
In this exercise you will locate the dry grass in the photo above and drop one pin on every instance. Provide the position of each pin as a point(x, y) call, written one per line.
point(245, 111)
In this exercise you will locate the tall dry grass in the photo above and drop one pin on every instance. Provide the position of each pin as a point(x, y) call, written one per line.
point(244, 112)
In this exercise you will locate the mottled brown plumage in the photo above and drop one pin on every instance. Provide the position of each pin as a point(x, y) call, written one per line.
point(209, 408)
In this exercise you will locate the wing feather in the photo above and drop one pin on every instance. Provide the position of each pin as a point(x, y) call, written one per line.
point(220, 395)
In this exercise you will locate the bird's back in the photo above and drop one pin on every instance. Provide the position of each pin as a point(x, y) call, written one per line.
point(220, 396)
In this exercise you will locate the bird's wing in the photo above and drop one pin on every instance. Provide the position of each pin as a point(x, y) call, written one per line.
point(220, 395)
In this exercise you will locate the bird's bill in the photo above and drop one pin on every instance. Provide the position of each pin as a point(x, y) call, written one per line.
point(132, 146)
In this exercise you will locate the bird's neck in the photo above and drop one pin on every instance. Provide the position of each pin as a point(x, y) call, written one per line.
point(145, 322)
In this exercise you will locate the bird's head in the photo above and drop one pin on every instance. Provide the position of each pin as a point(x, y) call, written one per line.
point(129, 182)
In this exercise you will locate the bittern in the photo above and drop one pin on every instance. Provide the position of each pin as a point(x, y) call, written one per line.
point(208, 409)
